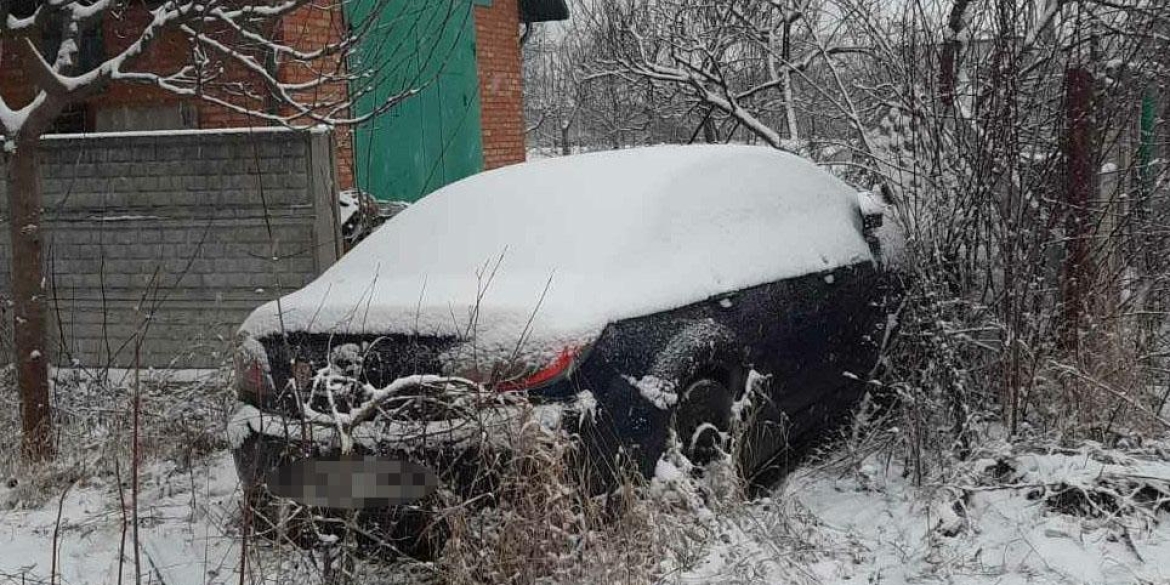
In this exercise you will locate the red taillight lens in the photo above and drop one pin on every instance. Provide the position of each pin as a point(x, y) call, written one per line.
point(251, 379)
point(562, 365)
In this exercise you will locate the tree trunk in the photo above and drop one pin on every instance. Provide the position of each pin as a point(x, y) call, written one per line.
point(789, 94)
point(24, 222)
point(1079, 188)
point(710, 132)
point(947, 60)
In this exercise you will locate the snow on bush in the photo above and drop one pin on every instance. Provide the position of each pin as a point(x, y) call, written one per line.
point(183, 416)
point(1028, 515)
point(1023, 512)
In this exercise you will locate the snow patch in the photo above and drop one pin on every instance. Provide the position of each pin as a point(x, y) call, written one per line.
point(117, 218)
point(667, 472)
point(348, 205)
point(756, 385)
point(657, 391)
point(975, 525)
point(190, 132)
point(189, 530)
point(245, 422)
point(870, 204)
point(586, 406)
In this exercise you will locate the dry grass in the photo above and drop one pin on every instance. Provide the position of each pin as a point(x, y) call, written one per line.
point(544, 526)
point(181, 420)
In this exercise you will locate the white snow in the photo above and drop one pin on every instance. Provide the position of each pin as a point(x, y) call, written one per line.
point(191, 132)
point(870, 524)
point(611, 235)
point(657, 391)
point(122, 217)
point(585, 404)
point(187, 530)
point(667, 472)
point(246, 421)
point(870, 204)
point(347, 202)
point(839, 522)
point(124, 376)
point(755, 386)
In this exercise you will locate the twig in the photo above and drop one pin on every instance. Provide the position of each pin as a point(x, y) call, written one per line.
point(121, 506)
point(135, 461)
point(1116, 393)
point(56, 533)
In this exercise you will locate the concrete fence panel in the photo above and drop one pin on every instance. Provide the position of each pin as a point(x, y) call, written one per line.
point(166, 241)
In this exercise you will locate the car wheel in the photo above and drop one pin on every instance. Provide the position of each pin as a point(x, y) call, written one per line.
point(702, 419)
point(702, 363)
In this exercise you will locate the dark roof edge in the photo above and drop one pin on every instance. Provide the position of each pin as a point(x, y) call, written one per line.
point(543, 10)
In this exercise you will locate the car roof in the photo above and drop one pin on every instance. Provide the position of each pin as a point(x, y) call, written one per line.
point(587, 239)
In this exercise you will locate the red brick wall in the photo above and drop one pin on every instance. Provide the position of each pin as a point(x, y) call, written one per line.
point(312, 27)
point(309, 28)
point(167, 54)
point(501, 95)
point(497, 58)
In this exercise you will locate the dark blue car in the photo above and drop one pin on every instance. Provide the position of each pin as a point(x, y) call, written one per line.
point(631, 296)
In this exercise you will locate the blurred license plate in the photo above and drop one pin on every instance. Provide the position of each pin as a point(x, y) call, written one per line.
point(352, 483)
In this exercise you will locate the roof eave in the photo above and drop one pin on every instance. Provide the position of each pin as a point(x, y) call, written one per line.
point(543, 10)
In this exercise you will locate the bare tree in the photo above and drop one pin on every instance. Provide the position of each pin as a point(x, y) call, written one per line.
point(234, 54)
point(567, 107)
point(1032, 211)
point(739, 58)
point(552, 90)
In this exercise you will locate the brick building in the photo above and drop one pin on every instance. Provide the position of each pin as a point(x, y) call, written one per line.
point(467, 117)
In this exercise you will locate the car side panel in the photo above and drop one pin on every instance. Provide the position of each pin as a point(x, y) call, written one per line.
point(810, 337)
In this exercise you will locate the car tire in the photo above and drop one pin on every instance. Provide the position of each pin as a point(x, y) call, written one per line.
point(702, 420)
point(703, 362)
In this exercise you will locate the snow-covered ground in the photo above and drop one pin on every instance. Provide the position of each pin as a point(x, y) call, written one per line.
point(1022, 521)
point(1085, 515)
point(1024, 512)
point(187, 529)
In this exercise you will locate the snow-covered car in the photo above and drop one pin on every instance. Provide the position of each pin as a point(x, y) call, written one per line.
point(650, 293)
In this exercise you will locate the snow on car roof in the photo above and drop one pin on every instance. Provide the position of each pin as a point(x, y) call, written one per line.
point(557, 249)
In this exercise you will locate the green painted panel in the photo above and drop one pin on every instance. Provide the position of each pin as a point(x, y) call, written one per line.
point(1149, 120)
point(434, 137)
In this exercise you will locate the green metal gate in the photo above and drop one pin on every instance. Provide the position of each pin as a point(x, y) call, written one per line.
point(434, 137)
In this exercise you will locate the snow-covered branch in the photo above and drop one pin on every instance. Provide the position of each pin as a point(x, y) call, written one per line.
point(369, 401)
point(739, 58)
point(233, 50)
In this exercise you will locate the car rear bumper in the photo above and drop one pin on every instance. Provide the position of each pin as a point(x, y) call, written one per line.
point(464, 453)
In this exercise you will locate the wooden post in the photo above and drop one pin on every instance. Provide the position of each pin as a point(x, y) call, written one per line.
point(329, 246)
point(1079, 189)
point(28, 295)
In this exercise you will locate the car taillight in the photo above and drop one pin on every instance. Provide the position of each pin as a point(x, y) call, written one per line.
point(561, 366)
point(252, 380)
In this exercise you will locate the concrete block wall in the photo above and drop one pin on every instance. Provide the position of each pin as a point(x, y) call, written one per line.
point(173, 238)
